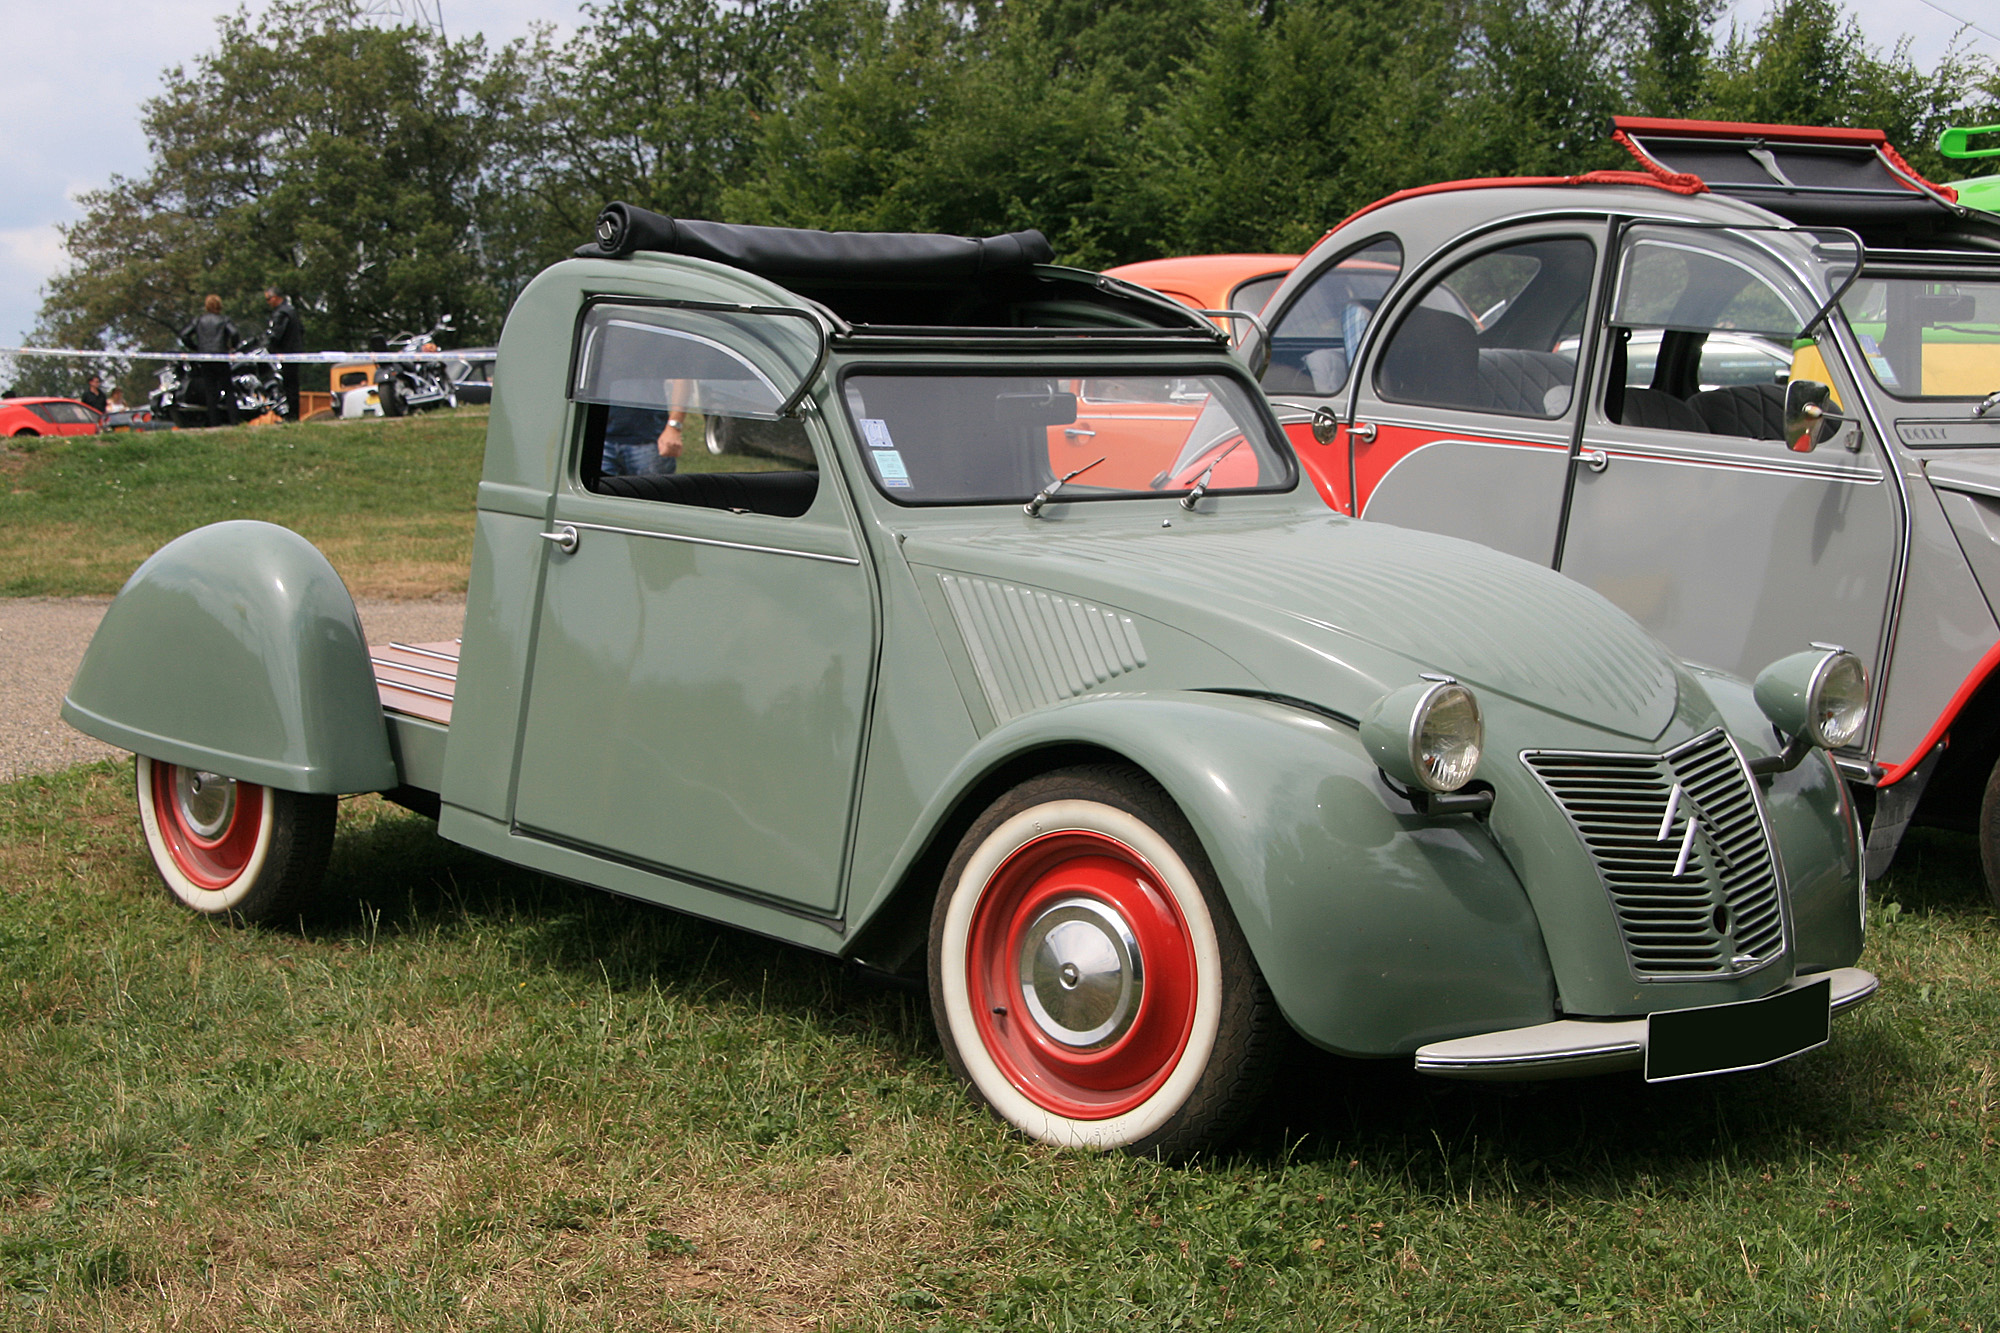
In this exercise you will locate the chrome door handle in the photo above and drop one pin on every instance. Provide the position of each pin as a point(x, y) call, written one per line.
point(1595, 459)
point(1362, 432)
point(565, 538)
point(1079, 432)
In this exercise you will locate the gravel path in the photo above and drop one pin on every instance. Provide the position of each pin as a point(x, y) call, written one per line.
point(42, 639)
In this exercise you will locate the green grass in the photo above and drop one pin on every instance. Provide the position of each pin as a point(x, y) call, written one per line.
point(389, 502)
point(468, 1098)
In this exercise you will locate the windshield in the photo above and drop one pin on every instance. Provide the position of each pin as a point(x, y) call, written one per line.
point(980, 438)
point(1928, 337)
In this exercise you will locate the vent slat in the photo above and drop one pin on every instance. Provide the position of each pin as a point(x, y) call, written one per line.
point(1616, 803)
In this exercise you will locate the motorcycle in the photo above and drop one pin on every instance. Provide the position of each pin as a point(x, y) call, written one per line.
point(412, 386)
point(254, 387)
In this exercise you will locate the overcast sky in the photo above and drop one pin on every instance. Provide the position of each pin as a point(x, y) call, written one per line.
point(75, 106)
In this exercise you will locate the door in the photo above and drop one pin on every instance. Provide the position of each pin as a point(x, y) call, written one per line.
point(705, 640)
point(1690, 510)
point(1464, 420)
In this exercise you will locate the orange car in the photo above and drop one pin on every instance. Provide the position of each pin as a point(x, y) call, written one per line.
point(1212, 282)
point(1141, 426)
point(47, 416)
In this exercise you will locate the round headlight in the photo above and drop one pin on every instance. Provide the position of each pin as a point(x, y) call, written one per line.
point(1426, 735)
point(1821, 694)
point(1838, 702)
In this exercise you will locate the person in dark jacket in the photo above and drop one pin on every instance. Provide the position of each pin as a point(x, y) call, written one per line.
point(93, 396)
point(285, 334)
point(211, 334)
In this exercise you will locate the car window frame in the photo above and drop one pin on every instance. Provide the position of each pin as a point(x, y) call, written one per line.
point(1086, 365)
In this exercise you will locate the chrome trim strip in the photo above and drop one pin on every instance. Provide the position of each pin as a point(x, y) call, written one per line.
point(424, 652)
point(713, 541)
point(1571, 1048)
point(413, 689)
point(415, 670)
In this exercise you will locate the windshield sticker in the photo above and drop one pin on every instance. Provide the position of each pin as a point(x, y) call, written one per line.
point(876, 432)
point(1876, 361)
point(889, 466)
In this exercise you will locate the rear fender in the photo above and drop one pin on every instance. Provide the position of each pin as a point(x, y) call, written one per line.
point(236, 648)
point(1377, 929)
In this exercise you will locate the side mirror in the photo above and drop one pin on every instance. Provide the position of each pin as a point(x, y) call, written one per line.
point(1805, 412)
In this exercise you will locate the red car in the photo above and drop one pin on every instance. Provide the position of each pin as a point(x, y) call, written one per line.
point(47, 416)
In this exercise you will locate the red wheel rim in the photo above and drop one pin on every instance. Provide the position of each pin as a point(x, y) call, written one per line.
point(211, 852)
point(1109, 899)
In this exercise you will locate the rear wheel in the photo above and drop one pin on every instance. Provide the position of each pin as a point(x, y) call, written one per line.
point(1989, 833)
point(233, 849)
point(390, 394)
point(1087, 977)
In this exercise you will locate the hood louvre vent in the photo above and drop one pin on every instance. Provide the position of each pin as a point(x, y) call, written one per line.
point(1695, 810)
point(1032, 649)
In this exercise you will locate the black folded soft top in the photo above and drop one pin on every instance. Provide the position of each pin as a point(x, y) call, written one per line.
point(904, 280)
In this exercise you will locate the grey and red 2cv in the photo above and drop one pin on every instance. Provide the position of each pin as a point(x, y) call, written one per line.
point(1747, 391)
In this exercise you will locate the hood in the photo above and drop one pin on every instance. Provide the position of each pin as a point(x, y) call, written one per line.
point(1287, 599)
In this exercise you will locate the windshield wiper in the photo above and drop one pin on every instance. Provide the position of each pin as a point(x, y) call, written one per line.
point(1034, 506)
point(1992, 401)
point(1200, 488)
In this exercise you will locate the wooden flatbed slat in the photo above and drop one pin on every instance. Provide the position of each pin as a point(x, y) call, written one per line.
point(417, 678)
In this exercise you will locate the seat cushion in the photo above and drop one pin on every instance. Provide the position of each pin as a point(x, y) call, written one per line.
point(1753, 411)
point(1656, 409)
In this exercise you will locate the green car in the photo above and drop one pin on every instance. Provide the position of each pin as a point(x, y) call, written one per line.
point(1031, 667)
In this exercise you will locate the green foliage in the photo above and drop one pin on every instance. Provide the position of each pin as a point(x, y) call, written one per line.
point(340, 161)
point(388, 176)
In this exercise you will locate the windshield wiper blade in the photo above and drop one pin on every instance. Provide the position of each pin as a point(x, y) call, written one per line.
point(1200, 488)
point(1034, 506)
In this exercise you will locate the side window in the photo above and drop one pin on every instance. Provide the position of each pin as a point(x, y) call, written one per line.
point(1314, 344)
point(678, 411)
point(1701, 341)
point(1498, 332)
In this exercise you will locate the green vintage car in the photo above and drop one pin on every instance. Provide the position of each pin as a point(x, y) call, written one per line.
point(1035, 671)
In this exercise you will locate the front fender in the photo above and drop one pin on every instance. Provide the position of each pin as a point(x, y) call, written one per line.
point(236, 648)
point(1377, 929)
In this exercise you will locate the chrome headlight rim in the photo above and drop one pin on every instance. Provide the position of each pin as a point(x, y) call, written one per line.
point(1822, 676)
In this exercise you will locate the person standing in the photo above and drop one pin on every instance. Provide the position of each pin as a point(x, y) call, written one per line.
point(93, 396)
point(212, 334)
point(285, 334)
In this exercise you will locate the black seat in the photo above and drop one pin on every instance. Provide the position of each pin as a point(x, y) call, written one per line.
point(1523, 382)
point(1656, 409)
point(1433, 358)
point(1753, 411)
point(779, 494)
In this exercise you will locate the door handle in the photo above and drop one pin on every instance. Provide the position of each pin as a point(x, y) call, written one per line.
point(1079, 432)
point(1361, 432)
point(1595, 459)
point(565, 538)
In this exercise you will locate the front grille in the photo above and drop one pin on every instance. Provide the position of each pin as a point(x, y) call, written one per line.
point(1722, 912)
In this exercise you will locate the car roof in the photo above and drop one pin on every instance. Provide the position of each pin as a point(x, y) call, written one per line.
point(1206, 277)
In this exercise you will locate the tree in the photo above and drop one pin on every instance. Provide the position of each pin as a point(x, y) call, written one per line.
point(340, 162)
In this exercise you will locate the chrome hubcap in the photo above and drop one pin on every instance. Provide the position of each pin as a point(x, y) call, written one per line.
point(1081, 977)
point(206, 800)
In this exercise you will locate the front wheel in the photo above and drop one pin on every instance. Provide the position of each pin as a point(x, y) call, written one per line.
point(1087, 977)
point(390, 394)
point(233, 849)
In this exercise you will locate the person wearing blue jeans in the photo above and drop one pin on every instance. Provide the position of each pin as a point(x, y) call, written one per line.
point(639, 441)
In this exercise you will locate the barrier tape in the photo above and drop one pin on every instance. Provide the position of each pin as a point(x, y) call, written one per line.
point(289, 358)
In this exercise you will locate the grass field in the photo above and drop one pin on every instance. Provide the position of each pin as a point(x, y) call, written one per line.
point(389, 502)
point(467, 1098)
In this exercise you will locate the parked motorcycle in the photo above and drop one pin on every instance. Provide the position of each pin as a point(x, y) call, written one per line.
point(254, 387)
point(412, 386)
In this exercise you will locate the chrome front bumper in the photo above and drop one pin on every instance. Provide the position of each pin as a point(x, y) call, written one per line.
point(1576, 1047)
